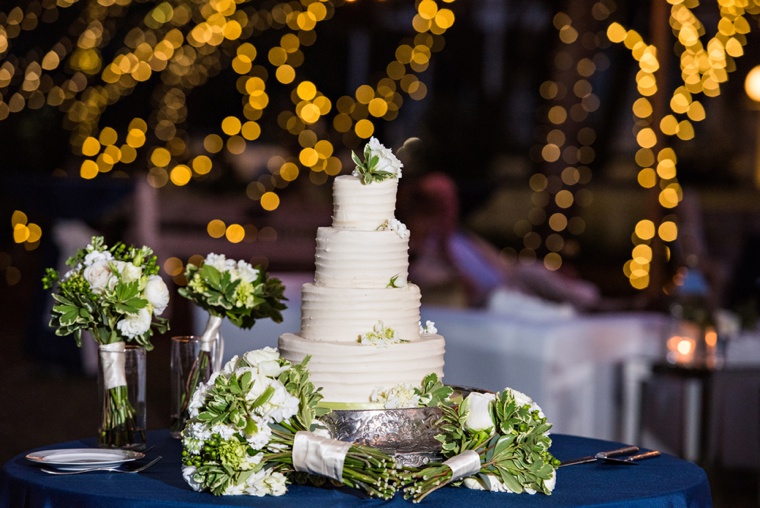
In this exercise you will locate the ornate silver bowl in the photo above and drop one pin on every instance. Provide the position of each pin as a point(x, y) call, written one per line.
point(407, 434)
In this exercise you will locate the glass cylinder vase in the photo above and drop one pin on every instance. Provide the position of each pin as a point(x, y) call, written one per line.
point(121, 391)
point(187, 369)
point(191, 363)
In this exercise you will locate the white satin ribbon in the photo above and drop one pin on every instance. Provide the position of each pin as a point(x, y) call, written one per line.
point(114, 364)
point(463, 465)
point(319, 455)
point(211, 333)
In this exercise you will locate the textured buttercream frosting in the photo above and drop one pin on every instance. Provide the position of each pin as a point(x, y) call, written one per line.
point(343, 314)
point(360, 259)
point(360, 286)
point(360, 206)
point(350, 372)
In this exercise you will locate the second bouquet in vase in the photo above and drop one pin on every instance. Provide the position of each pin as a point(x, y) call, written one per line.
point(229, 289)
point(116, 295)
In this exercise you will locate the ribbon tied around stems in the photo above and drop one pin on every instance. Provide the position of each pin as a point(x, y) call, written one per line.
point(113, 361)
point(463, 465)
point(211, 333)
point(319, 455)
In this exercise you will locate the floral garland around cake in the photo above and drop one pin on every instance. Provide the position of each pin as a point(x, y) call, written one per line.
point(379, 163)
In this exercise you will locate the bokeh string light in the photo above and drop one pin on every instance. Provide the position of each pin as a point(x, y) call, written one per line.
point(704, 69)
point(173, 48)
point(566, 148)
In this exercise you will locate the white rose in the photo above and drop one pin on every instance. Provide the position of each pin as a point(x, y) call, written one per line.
point(386, 160)
point(134, 325)
point(523, 399)
point(246, 272)
point(128, 271)
point(99, 276)
point(220, 262)
point(266, 360)
point(231, 365)
point(493, 485)
point(97, 257)
point(479, 415)
point(157, 294)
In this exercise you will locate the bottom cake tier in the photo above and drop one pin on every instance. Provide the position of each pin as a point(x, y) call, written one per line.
point(349, 372)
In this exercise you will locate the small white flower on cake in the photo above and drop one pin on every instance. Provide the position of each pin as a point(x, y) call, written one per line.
point(395, 225)
point(396, 282)
point(398, 397)
point(428, 328)
point(379, 336)
point(379, 163)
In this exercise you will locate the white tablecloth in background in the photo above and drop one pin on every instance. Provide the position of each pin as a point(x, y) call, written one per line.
point(570, 366)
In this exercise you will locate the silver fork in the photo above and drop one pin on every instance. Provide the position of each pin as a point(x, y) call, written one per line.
point(111, 469)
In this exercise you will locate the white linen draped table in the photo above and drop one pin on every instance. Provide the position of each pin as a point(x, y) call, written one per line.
point(571, 366)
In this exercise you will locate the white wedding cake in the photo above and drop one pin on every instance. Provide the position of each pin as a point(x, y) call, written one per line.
point(360, 319)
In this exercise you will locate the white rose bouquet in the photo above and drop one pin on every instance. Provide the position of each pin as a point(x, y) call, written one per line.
point(226, 289)
point(379, 163)
point(117, 296)
point(498, 442)
point(250, 432)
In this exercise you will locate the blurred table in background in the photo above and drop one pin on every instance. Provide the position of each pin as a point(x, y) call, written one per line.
point(702, 414)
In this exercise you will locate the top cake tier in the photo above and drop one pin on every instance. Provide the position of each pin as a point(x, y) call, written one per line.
point(363, 207)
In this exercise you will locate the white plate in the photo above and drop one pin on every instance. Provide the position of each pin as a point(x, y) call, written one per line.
point(75, 459)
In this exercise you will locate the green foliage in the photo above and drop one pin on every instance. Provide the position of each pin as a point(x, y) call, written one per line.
point(432, 392)
point(240, 301)
point(296, 381)
point(78, 307)
point(515, 452)
point(367, 169)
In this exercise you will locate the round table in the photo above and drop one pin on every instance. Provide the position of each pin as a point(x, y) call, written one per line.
point(661, 481)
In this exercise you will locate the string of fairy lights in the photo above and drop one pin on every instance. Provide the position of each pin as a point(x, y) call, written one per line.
point(177, 46)
point(704, 69)
point(567, 149)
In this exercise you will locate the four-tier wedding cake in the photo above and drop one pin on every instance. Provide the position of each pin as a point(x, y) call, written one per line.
point(360, 318)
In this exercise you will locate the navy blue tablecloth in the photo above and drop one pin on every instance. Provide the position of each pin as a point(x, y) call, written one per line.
point(664, 481)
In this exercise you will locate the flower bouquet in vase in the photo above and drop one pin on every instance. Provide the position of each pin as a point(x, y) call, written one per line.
point(230, 289)
point(117, 296)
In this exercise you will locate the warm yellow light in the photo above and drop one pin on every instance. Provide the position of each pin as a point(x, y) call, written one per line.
point(270, 201)
point(752, 84)
point(216, 228)
point(235, 233)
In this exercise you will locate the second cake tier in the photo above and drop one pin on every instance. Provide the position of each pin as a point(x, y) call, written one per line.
point(344, 314)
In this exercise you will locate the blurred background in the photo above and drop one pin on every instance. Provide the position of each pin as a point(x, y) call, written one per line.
point(599, 153)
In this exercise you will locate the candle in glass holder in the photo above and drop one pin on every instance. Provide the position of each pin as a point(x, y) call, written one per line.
point(681, 350)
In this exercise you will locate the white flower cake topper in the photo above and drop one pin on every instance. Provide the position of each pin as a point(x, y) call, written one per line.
point(379, 163)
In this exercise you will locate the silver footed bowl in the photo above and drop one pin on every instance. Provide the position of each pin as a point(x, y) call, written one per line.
point(406, 434)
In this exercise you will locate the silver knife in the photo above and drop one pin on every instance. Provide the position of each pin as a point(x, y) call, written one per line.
point(600, 456)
